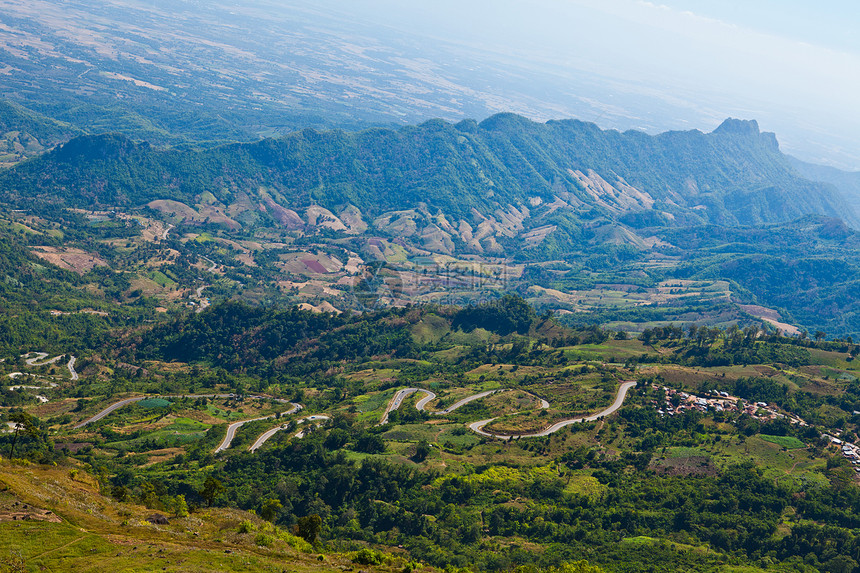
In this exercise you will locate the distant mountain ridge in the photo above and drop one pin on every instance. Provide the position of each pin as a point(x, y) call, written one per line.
point(25, 133)
point(847, 182)
point(506, 182)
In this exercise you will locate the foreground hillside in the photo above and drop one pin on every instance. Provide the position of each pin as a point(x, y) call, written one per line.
point(55, 518)
point(483, 438)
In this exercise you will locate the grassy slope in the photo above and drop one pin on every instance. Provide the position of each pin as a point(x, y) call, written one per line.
point(100, 534)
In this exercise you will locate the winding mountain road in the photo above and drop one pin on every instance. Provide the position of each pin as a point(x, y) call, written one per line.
point(231, 429)
point(34, 361)
point(477, 427)
point(393, 404)
point(397, 400)
point(316, 417)
point(464, 401)
point(421, 405)
point(269, 433)
point(41, 359)
point(42, 356)
point(211, 262)
point(71, 367)
point(125, 402)
point(166, 231)
point(231, 432)
point(264, 437)
point(202, 303)
point(113, 407)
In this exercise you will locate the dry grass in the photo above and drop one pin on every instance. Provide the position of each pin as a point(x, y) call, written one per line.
point(86, 531)
point(76, 260)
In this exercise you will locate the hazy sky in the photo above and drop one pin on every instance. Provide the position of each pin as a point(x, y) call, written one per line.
point(793, 65)
point(624, 64)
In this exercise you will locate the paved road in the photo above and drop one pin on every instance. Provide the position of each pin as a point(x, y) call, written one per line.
point(231, 432)
point(127, 401)
point(34, 361)
point(395, 403)
point(109, 409)
point(211, 262)
point(465, 401)
point(301, 434)
point(22, 386)
point(421, 405)
point(543, 403)
point(477, 427)
point(264, 437)
point(39, 356)
point(71, 367)
point(166, 231)
point(231, 429)
point(202, 303)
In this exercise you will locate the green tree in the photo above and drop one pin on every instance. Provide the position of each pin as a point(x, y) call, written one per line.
point(308, 528)
point(211, 488)
point(180, 506)
point(370, 443)
point(24, 424)
point(270, 509)
point(422, 450)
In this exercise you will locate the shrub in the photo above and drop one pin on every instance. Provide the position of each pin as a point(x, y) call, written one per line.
point(367, 556)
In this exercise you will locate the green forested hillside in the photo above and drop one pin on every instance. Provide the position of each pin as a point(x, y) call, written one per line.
point(48, 131)
point(847, 182)
point(25, 133)
point(734, 175)
point(809, 268)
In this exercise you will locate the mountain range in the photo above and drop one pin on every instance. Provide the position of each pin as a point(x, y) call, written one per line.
point(504, 184)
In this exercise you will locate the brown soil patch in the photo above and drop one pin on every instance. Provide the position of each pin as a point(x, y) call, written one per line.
point(158, 456)
point(687, 376)
point(203, 416)
point(814, 386)
point(84, 311)
point(246, 260)
point(759, 311)
point(771, 317)
point(325, 306)
point(176, 209)
point(73, 447)
point(765, 370)
point(216, 215)
point(692, 465)
point(54, 407)
point(76, 260)
point(14, 510)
